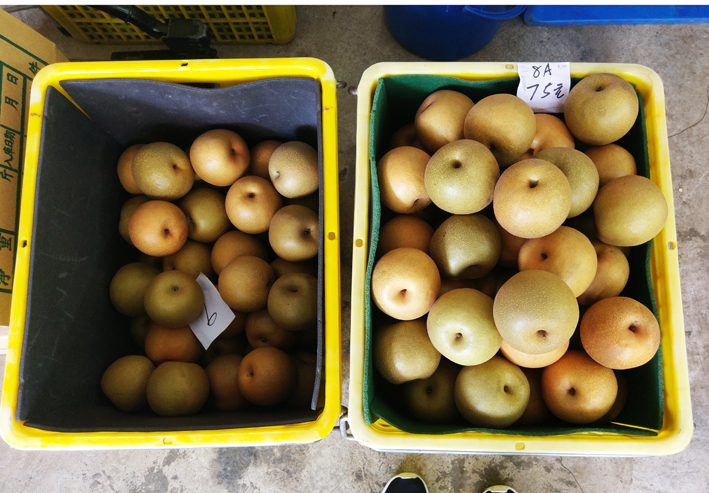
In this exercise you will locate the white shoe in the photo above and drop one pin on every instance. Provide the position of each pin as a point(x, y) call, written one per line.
point(500, 489)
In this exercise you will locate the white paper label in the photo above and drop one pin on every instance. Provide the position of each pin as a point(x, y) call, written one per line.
point(544, 86)
point(215, 317)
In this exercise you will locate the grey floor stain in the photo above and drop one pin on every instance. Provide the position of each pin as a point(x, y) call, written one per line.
point(154, 481)
point(522, 462)
point(232, 463)
point(409, 464)
point(691, 234)
point(491, 476)
point(98, 482)
point(688, 174)
point(570, 484)
point(459, 479)
point(171, 457)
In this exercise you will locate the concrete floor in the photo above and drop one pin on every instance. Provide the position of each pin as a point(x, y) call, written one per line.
point(351, 39)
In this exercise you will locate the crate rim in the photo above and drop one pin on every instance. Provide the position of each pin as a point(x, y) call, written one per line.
point(677, 429)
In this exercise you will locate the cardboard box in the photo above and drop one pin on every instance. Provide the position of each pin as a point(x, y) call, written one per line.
point(23, 53)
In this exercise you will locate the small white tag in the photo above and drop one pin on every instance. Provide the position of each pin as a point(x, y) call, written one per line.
point(544, 86)
point(215, 317)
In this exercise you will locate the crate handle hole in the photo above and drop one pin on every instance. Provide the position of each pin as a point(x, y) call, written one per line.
point(671, 245)
point(331, 235)
point(24, 243)
point(184, 64)
point(519, 446)
point(359, 242)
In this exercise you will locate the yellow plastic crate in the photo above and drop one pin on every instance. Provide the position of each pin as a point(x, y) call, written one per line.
point(235, 24)
point(225, 73)
point(677, 427)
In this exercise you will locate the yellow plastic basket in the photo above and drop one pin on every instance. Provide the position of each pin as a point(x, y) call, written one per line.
point(235, 24)
point(677, 427)
point(225, 73)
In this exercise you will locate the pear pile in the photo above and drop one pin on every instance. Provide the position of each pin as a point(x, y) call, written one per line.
point(502, 233)
point(246, 218)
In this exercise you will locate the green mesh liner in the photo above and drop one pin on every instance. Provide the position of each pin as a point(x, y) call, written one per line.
point(395, 103)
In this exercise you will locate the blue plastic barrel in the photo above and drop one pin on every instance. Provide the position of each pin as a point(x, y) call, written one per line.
point(446, 32)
